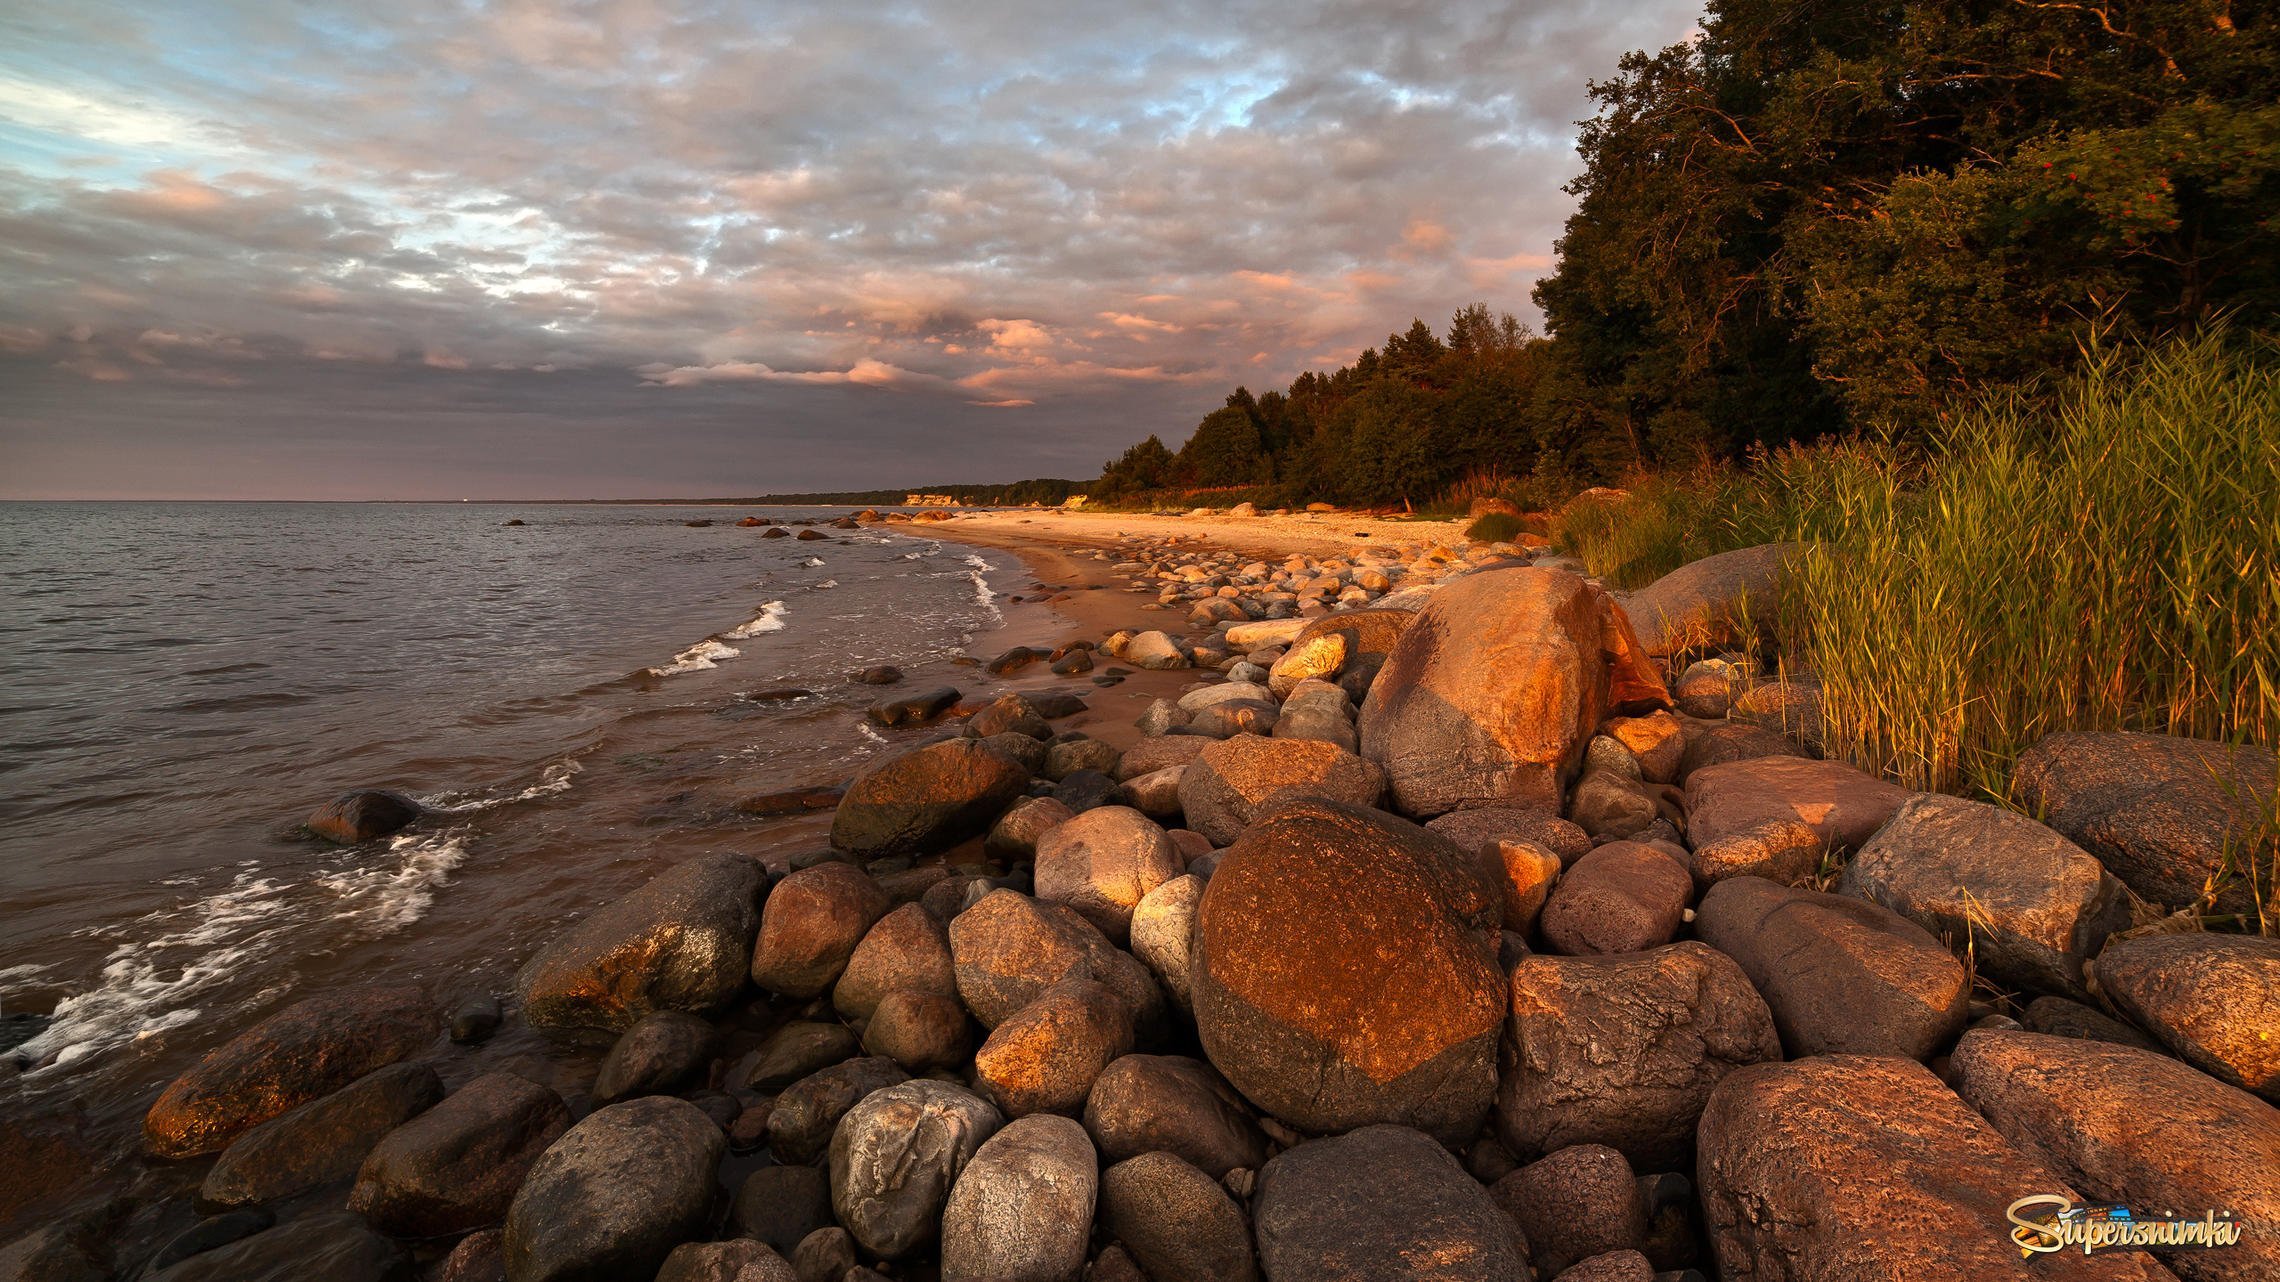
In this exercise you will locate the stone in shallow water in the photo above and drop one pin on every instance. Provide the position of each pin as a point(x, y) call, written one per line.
point(457, 1166)
point(320, 1142)
point(683, 941)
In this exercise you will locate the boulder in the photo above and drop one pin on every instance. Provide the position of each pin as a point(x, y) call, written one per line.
point(2121, 1124)
point(1022, 1210)
point(1492, 693)
point(895, 1158)
point(1575, 1203)
point(912, 709)
point(1202, 697)
point(925, 800)
point(683, 941)
point(792, 1052)
point(1102, 863)
point(2060, 1017)
point(780, 1205)
point(1016, 833)
point(1715, 743)
point(1172, 1104)
point(1153, 650)
point(2034, 905)
point(1623, 1051)
point(1009, 948)
point(907, 949)
point(1611, 807)
point(1337, 641)
point(1008, 714)
point(1177, 1220)
point(1020, 749)
point(1163, 933)
point(738, 1261)
point(1615, 1266)
point(1066, 758)
point(457, 1166)
point(361, 816)
point(1045, 1056)
point(1657, 742)
point(1623, 897)
point(811, 925)
point(1718, 601)
point(801, 1125)
point(2167, 815)
point(335, 1247)
point(1084, 790)
point(1161, 752)
point(654, 1057)
point(616, 1194)
point(919, 1031)
point(1842, 976)
point(1156, 795)
point(1480, 827)
point(1344, 972)
point(1708, 687)
point(1320, 711)
point(304, 1052)
point(1234, 781)
point(826, 1255)
point(320, 1142)
point(1843, 805)
point(1385, 1204)
point(2213, 999)
point(1866, 1167)
point(1787, 851)
point(1235, 717)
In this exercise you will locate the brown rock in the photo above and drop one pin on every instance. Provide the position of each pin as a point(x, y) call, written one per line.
point(320, 1142)
point(1477, 827)
point(1009, 948)
point(792, 1052)
point(1607, 805)
point(1231, 783)
point(811, 925)
point(1722, 600)
point(1575, 1203)
point(1623, 897)
point(926, 799)
point(1842, 804)
point(800, 1126)
point(683, 941)
point(1715, 743)
point(2032, 903)
point(361, 816)
point(908, 950)
point(1656, 741)
point(1016, 833)
point(1494, 690)
point(1787, 851)
point(1172, 1104)
point(1623, 1051)
point(1787, 1149)
point(1045, 1057)
point(1843, 976)
point(457, 1166)
point(654, 1057)
point(1102, 863)
point(1344, 972)
point(1158, 752)
point(2126, 1125)
point(1177, 1219)
point(1382, 1204)
point(304, 1052)
point(919, 1031)
point(2060, 1017)
point(2167, 815)
point(741, 1260)
point(2214, 999)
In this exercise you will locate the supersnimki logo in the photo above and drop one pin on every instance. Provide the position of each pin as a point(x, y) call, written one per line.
point(2046, 1223)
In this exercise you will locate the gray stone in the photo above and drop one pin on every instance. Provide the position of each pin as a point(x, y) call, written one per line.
point(1022, 1210)
point(458, 1165)
point(895, 1158)
point(654, 1057)
point(616, 1194)
point(1177, 1220)
point(1386, 1204)
point(1172, 1104)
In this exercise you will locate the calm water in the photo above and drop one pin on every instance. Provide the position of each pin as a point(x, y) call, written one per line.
point(185, 682)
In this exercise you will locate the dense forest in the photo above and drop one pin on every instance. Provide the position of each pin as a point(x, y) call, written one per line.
point(1816, 218)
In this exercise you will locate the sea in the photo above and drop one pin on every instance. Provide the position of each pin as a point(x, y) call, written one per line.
point(571, 696)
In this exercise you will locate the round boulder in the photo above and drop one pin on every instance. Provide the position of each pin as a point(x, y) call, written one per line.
point(811, 925)
point(615, 1194)
point(925, 800)
point(1022, 1210)
point(683, 941)
point(456, 1167)
point(1232, 782)
point(1102, 863)
point(895, 1157)
point(1384, 1203)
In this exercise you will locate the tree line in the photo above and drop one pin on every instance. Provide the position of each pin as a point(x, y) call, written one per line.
point(1816, 219)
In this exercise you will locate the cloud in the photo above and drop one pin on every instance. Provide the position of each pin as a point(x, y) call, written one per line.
point(781, 209)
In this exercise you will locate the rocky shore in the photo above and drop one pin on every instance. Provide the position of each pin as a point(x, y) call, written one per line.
point(1448, 917)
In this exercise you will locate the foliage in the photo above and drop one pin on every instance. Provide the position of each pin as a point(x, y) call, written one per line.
point(1495, 527)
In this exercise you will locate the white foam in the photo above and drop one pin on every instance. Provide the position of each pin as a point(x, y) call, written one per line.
point(870, 734)
point(812, 562)
point(983, 596)
point(145, 983)
point(554, 779)
point(704, 654)
point(828, 583)
point(388, 898)
point(770, 619)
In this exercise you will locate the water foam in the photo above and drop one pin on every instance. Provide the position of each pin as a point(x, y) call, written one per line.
point(388, 898)
point(770, 619)
point(983, 596)
point(812, 562)
point(704, 654)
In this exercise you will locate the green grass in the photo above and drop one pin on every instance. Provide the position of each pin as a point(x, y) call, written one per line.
point(1496, 527)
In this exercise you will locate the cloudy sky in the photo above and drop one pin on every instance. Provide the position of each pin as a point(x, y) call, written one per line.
point(679, 247)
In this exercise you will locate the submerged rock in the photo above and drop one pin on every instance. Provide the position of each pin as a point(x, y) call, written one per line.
point(335, 1247)
point(361, 816)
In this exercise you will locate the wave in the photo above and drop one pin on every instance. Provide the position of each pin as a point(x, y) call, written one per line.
point(387, 899)
point(983, 596)
point(770, 619)
point(553, 780)
point(704, 654)
point(812, 562)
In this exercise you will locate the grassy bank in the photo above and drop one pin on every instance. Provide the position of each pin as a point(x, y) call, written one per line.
point(2104, 558)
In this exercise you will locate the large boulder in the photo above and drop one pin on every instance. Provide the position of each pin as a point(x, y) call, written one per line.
point(2167, 815)
point(921, 801)
point(810, 926)
point(304, 1052)
point(2213, 999)
point(1231, 783)
point(1866, 1168)
point(1009, 948)
point(1843, 976)
point(456, 1167)
point(616, 1194)
point(2033, 905)
point(1044, 1057)
point(1495, 689)
point(2082, 1108)
point(1842, 804)
point(1102, 863)
point(320, 1142)
point(907, 950)
point(1177, 1219)
point(895, 1157)
point(1718, 601)
point(1623, 1051)
point(1382, 1204)
point(1172, 1104)
point(683, 941)
point(1344, 972)
point(1022, 1210)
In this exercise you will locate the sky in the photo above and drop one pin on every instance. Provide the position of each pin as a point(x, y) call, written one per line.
point(648, 248)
